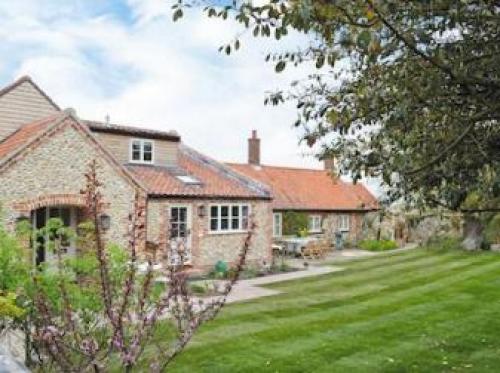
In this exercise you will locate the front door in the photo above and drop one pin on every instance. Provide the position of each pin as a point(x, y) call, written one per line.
point(180, 233)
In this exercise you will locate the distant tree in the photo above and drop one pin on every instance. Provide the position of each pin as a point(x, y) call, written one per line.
point(408, 91)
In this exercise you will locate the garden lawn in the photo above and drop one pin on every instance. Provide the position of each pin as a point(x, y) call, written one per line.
point(418, 311)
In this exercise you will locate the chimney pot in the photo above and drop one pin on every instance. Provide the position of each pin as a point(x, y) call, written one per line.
point(254, 149)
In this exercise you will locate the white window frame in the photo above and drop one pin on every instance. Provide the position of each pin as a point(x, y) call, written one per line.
point(230, 218)
point(277, 224)
point(312, 226)
point(142, 142)
point(344, 222)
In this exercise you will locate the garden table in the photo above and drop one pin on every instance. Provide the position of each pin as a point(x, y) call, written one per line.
point(294, 245)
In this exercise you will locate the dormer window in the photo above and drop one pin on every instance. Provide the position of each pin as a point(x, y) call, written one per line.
point(141, 151)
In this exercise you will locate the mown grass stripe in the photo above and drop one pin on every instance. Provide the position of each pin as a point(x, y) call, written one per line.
point(300, 343)
point(354, 310)
point(376, 309)
point(370, 283)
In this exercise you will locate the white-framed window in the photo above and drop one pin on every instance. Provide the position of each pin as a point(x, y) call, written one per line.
point(277, 224)
point(141, 151)
point(344, 222)
point(229, 218)
point(314, 223)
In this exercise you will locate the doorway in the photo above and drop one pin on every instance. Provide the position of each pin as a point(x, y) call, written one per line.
point(180, 232)
point(39, 219)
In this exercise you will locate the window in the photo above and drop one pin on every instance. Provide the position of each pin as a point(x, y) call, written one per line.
point(186, 179)
point(314, 223)
point(141, 151)
point(277, 224)
point(343, 222)
point(229, 218)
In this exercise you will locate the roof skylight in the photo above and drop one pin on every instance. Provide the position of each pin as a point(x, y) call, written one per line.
point(186, 179)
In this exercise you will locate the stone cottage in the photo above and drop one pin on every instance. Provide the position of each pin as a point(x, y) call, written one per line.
point(45, 153)
point(331, 204)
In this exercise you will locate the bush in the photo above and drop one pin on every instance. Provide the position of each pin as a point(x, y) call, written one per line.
point(14, 267)
point(377, 245)
point(444, 243)
point(492, 231)
point(295, 223)
point(198, 289)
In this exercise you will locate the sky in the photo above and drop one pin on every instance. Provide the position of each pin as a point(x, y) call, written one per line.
point(129, 60)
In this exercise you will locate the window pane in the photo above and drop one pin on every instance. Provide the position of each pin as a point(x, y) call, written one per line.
point(244, 217)
point(66, 216)
point(214, 211)
point(235, 211)
point(182, 230)
point(182, 214)
point(174, 231)
point(136, 155)
point(148, 146)
point(235, 223)
point(213, 224)
point(136, 145)
point(224, 224)
point(224, 211)
point(277, 225)
point(174, 215)
point(148, 156)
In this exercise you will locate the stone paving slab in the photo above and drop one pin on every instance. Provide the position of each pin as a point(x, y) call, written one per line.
point(251, 288)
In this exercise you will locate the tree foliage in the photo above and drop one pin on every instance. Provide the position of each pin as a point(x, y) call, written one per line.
point(295, 222)
point(405, 91)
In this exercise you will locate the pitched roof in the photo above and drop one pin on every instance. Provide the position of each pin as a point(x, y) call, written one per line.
point(211, 179)
point(119, 129)
point(27, 79)
point(24, 135)
point(307, 189)
point(16, 144)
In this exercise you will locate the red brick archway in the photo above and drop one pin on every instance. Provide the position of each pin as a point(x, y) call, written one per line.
point(26, 206)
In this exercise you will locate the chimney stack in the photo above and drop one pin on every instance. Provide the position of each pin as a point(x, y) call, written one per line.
point(254, 149)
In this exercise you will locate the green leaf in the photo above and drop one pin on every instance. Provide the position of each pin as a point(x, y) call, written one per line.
point(320, 61)
point(364, 39)
point(256, 31)
point(280, 66)
point(177, 14)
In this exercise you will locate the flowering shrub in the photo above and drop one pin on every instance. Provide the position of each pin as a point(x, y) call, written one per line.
point(100, 312)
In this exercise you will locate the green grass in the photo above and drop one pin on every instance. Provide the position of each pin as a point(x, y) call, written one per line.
point(416, 311)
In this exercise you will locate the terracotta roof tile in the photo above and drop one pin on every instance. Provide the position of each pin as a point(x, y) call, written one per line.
point(307, 189)
point(24, 134)
point(215, 179)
